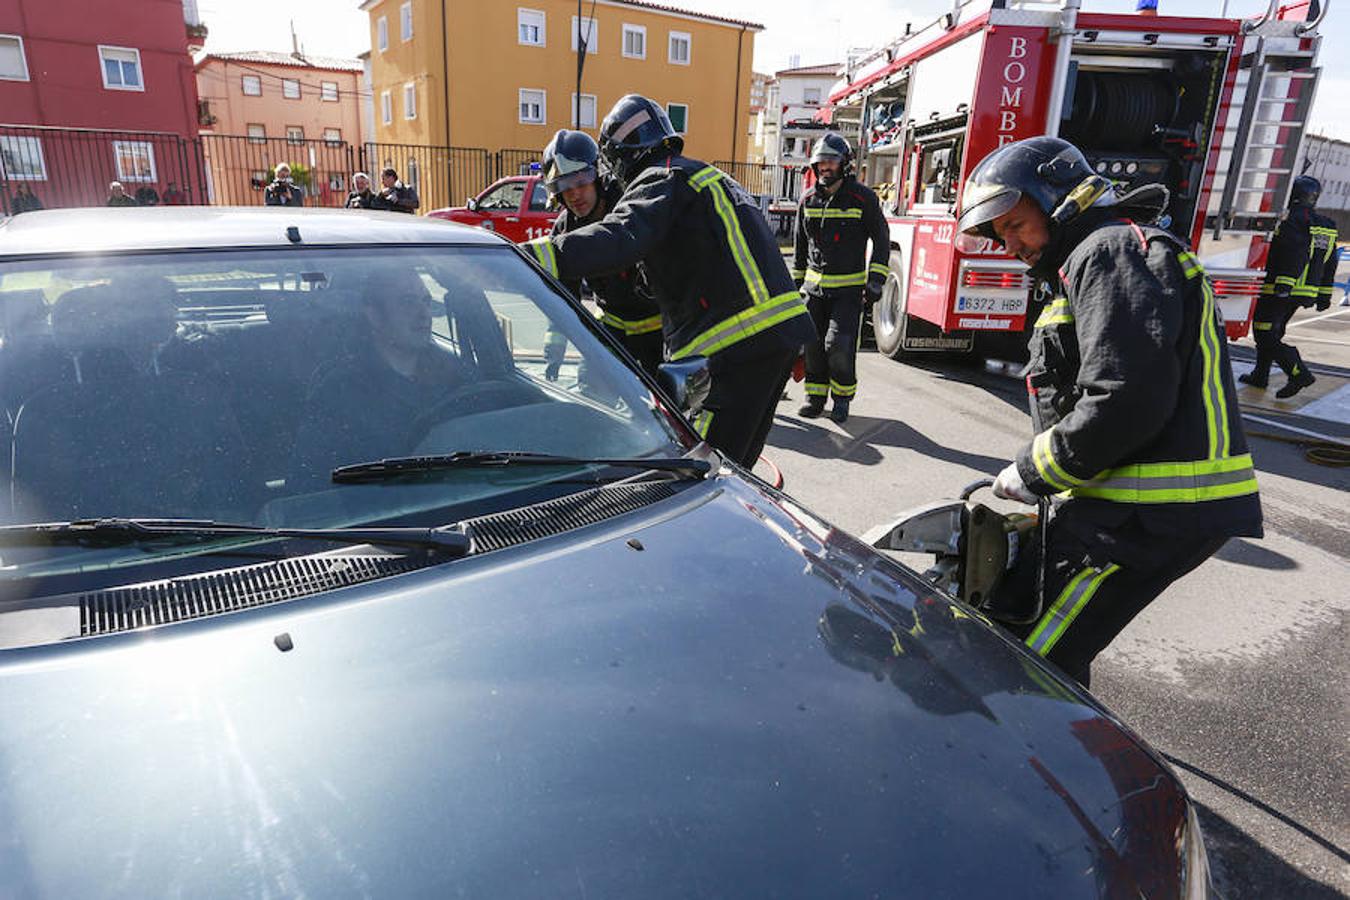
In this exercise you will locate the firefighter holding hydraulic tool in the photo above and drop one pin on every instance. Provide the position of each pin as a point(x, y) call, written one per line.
point(835, 220)
point(1135, 416)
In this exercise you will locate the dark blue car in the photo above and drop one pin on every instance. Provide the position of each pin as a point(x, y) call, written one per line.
point(313, 584)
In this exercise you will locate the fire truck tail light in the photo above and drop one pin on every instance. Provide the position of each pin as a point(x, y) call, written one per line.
point(993, 278)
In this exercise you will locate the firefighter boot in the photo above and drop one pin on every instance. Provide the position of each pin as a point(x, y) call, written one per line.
point(839, 412)
point(1257, 377)
point(813, 408)
point(1299, 378)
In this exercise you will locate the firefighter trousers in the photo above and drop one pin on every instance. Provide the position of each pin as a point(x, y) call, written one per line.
point(744, 393)
point(832, 359)
point(647, 349)
point(1097, 579)
point(1268, 326)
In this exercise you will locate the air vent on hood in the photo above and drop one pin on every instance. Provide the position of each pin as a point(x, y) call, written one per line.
point(528, 523)
point(211, 593)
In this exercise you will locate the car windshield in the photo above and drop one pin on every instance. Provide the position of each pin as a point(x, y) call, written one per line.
point(228, 385)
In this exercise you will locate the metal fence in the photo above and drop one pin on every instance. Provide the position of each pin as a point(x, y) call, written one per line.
point(776, 182)
point(43, 167)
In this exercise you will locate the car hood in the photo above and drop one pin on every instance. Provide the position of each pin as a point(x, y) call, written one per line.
point(718, 694)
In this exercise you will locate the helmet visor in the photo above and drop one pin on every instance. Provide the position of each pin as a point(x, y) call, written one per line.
point(574, 179)
point(981, 205)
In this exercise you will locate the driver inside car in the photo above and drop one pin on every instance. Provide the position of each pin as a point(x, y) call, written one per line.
point(363, 407)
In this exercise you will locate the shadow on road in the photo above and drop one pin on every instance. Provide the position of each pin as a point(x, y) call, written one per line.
point(861, 438)
point(1245, 553)
point(1243, 868)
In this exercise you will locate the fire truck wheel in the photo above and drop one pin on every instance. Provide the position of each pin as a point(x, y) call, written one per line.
point(888, 315)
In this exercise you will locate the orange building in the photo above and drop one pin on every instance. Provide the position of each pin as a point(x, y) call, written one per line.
point(257, 109)
point(502, 75)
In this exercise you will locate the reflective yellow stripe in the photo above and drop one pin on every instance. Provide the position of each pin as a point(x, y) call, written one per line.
point(740, 250)
point(1212, 386)
point(797, 273)
point(744, 324)
point(843, 390)
point(1263, 326)
point(632, 326)
point(817, 389)
point(850, 279)
point(1174, 482)
point(1285, 279)
point(703, 422)
point(704, 177)
point(879, 269)
point(1070, 602)
point(544, 254)
point(1190, 266)
point(821, 212)
point(1057, 313)
point(1051, 472)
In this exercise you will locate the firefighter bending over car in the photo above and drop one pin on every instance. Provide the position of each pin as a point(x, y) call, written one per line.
point(1133, 405)
point(571, 169)
point(712, 264)
point(1300, 269)
point(830, 263)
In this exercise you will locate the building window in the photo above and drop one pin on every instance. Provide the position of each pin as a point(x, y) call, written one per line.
point(328, 90)
point(382, 33)
point(135, 160)
point(290, 88)
point(21, 158)
point(257, 134)
point(386, 108)
point(410, 101)
point(332, 137)
point(587, 30)
point(587, 119)
point(412, 176)
point(251, 85)
point(679, 47)
point(533, 106)
point(257, 179)
point(121, 68)
point(405, 21)
point(530, 27)
point(635, 41)
point(811, 96)
point(295, 134)
point(13, 64)
point(679, 116)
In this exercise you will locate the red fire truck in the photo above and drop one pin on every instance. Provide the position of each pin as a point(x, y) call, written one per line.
point(1213, 108)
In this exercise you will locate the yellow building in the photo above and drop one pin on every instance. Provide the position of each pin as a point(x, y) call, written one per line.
point(501, 75)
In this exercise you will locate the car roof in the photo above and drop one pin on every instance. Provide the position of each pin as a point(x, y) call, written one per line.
point(114, 229)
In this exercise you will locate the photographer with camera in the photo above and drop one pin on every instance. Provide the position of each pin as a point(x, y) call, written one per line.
point(396, 196)
point(283, 191)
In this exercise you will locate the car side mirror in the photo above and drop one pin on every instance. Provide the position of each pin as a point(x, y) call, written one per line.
point(686, 381)
point(472, 204)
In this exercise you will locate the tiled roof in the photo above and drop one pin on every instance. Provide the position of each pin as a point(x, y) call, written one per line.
point(271, 58)
point(826, 69)
point(660, 7)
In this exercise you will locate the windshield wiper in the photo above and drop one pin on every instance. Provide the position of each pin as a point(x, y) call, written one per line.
point(402, 466)
point(449, 539)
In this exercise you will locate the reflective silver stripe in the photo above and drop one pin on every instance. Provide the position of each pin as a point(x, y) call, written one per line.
point(1175, 482)
point(743, 325)
point(1071, 601)
point(635, 121)
point(545, 254)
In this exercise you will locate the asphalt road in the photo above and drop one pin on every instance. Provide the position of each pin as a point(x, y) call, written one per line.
point(1239, 672)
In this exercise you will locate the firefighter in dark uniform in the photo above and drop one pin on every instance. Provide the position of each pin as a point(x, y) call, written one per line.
point(1303, 245)
point(713, 266)
point(571, 173)
point(1133, 406)
point(835, 220)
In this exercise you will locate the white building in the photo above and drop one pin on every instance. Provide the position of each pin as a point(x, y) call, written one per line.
point(796, 96)
point(1327, 160)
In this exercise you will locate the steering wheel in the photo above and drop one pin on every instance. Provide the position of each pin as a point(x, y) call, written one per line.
point(474, 397)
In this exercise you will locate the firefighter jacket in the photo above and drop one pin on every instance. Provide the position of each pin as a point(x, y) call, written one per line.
point(1322, 261)
point(624, 299)
point(711, 261)
point(830, 249)
point(1290, 250)
point(1131, 393)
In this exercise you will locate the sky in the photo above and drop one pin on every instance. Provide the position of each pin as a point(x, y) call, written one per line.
point(814, 31)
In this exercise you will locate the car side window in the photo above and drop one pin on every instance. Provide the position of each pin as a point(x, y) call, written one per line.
point(539, 198)
point(505, 197)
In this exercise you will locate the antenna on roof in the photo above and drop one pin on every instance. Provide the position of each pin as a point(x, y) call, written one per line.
point(295, 43)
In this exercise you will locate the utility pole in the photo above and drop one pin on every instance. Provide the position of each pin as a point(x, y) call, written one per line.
point(581, 62)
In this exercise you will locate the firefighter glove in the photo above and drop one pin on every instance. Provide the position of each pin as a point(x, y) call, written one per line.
point(1009, 486)
point(1282, 291)
point(872, 293)
point(1323, 303)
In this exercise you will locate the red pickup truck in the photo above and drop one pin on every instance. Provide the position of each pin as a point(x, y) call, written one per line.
point(515, 207)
